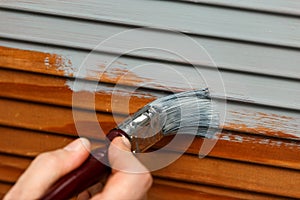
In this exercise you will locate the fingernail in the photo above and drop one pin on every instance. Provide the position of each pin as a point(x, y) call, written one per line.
point(126, 142)
point(78, 144)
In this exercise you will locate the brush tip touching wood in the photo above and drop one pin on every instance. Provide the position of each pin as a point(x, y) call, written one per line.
point(190, 112)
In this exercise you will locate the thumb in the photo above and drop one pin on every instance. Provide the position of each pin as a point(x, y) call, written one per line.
point(47, 168)
point(122, 159)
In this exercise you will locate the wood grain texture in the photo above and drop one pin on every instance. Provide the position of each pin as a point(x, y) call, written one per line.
point(226, 54)
point(251, 148)
point(190, 191)
point(12, 167)
point(36, 116)
point(159, 191)
point(29, 143)
point(4, 187)
point(201, 19)
point(242, 176)
point(207, 171)
point(166, 192)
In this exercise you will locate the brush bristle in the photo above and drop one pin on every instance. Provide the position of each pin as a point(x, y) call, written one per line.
point(188, 112)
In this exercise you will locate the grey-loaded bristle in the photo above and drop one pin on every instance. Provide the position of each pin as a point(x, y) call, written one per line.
point(190, 112)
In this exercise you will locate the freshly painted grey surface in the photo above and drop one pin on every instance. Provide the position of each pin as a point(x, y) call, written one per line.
point(238, 56)
point(288, 7)
point(175, 15)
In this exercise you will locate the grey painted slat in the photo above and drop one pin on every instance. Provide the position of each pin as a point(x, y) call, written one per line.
point(247, 117)
point(188, 18)
point(288, 7)
point(83, 34)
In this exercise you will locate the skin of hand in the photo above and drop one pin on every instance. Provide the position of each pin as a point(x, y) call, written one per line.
point(48, 167)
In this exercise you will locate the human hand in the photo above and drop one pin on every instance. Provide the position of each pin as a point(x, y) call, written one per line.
point(48, 167)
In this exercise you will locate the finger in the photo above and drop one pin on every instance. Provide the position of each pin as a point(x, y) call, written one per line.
point(130, 179)
point(87, 194)
point(47, 168)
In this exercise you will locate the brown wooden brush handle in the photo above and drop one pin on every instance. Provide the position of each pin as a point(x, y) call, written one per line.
point(89, 173)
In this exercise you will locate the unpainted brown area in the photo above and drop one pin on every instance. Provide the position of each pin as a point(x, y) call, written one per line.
point(34, 61)
point(218, 172)
point(52, 90)
point(54, 64)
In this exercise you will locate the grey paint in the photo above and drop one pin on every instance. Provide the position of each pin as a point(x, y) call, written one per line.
point(175, 15)
point(83, 34)
point(286, 7)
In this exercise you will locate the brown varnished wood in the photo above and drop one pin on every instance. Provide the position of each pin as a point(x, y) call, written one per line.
point(4, 187)
point(53, 90)
point(29, 143)
point(33, 61)
point(12, 167)
point(163, 189)
point(231, 145)
point(166, 192)
point(38, 117)
point(208, 171)
point(235, 175)
point(193, 188)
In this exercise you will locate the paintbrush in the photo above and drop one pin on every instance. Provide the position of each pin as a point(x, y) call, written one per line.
point(188, 112)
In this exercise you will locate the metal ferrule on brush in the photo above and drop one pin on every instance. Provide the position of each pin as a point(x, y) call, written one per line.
point(144, 128)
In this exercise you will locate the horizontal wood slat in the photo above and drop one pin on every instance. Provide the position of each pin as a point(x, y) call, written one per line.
point(166, 192)
point(161, 190)
point(242, 176)
point(12, 167)
point(37, 117)
point(29, 143)
point(251, 148)
point(4, 187)
point(201, 19)
point(191, 190)
point(157, 192)
point(226, 54)
point(209, 171)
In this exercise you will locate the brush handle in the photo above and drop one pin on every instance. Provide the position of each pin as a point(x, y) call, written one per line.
point(89, 173)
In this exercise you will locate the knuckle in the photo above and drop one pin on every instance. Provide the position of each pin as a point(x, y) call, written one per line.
point(148, 180)
point(49, 159)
